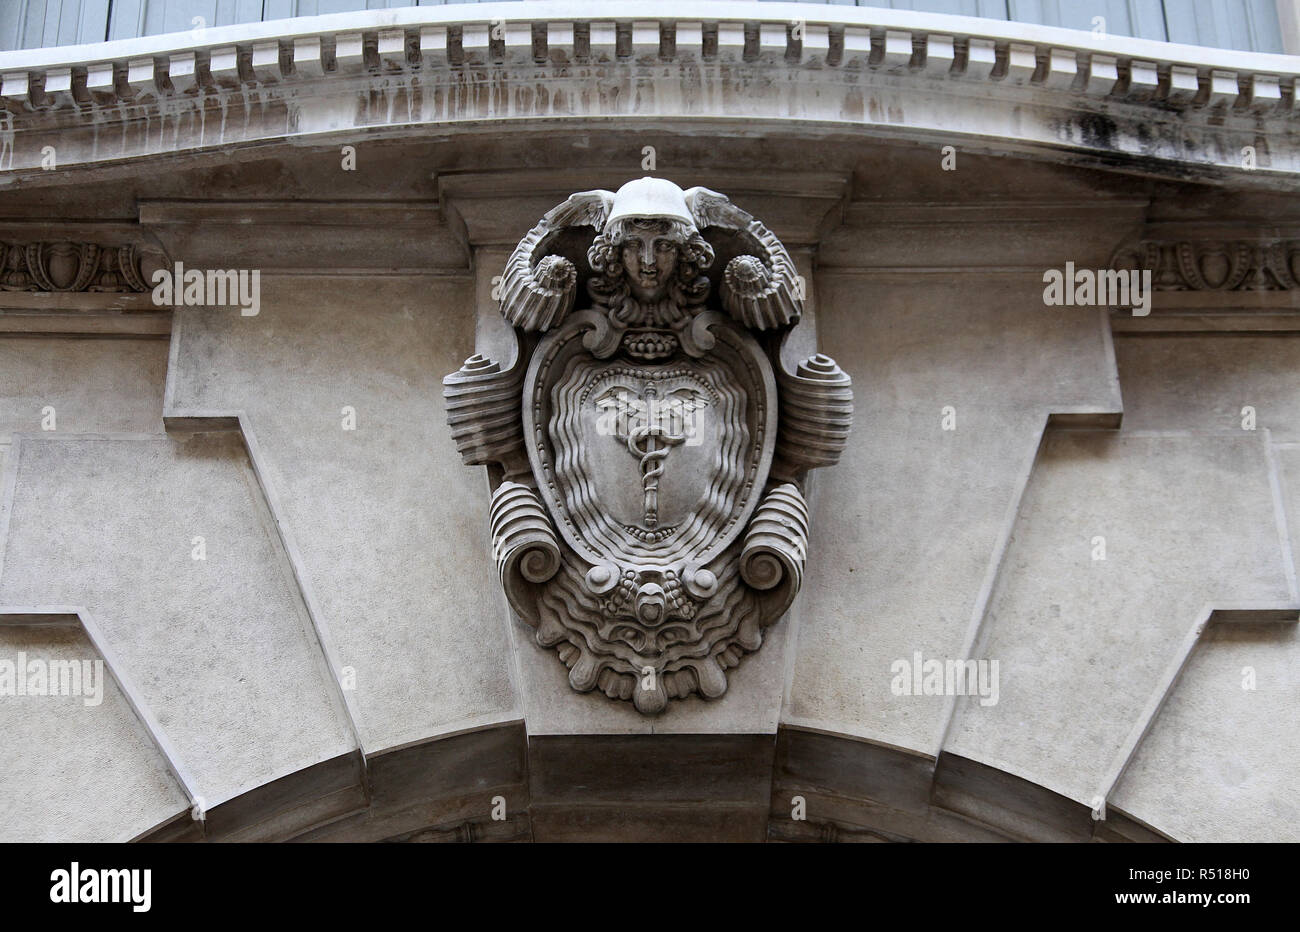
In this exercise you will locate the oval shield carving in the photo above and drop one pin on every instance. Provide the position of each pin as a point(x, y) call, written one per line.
point(656, 464)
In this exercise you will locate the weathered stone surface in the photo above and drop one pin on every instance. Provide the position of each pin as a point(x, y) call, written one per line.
point(430, 67)
point(916, 524)
point(1186, 520)
point(219, 647)
point(655, 787)
point(118, 384)
point(391, 556)
point(1217, 763)
point(75, 772)
point(1203, 381)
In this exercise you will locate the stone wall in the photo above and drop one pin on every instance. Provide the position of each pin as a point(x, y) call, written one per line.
point(261, 525)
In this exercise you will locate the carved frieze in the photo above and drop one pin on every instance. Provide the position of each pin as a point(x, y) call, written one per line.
point(649, 521)
point(71, 267)
point(1217, 265)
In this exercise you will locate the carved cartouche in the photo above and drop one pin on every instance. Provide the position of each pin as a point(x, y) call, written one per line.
point(650, 519)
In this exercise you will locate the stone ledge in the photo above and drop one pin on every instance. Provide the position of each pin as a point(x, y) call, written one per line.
point(697, 61)
point(855, 50)
point(881, 37)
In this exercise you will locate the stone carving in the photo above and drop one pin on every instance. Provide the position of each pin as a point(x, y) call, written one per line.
point(1226, 265)
point(67, 267)
point(650, 448)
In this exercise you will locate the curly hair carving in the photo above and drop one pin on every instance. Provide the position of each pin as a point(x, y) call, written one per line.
point(687, 291)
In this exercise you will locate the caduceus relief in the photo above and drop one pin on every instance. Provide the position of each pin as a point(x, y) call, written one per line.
point(650, 447)
point(650, 425)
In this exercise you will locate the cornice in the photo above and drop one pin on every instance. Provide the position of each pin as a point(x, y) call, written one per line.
point(1157, 107)
point(665, 10)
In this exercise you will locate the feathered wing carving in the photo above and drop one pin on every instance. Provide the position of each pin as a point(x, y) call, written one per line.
point(760, 288)
point(537, 290)
point(712, 209)
point(584, 209)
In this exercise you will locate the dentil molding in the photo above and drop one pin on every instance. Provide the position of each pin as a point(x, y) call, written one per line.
point(769, 67)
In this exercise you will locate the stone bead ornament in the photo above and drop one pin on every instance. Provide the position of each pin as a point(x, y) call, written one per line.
point(649, 447)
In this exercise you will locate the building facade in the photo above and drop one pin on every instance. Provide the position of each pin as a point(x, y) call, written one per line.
point(248, 581)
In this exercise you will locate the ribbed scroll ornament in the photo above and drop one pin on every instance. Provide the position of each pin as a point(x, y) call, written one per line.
point(524, 545)
point(760, 296)
point(816, 414)
point(537, 297)
point(776, 543)
point(483, 410)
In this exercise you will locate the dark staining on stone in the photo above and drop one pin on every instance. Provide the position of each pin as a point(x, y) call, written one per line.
point(1099, 131)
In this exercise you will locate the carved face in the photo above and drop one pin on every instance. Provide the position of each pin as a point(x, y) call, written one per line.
point(649, 258)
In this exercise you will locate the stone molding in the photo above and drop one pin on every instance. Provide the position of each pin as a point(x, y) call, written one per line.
point(1214, 279)
point(898, 69)
point(73, 267)
point(83, 282)
point(800, 207)
point(1215, 265)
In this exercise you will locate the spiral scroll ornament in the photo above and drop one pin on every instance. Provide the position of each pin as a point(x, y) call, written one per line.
point(816, 416)
point(482, 404)
point(776, 544)
point(537, 297)
point(760, 297)
point(524, 544)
